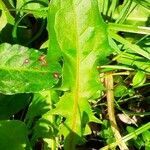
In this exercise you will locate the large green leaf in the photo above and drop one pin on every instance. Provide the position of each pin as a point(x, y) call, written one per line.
point(24, 70)
point(11, 104)
point(13, 135)
point(54, 52)
point(82, 37)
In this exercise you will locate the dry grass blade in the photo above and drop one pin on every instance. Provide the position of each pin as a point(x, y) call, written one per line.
point(111, 111)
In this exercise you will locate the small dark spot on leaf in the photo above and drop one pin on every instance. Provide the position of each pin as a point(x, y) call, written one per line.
point(56, 75)
point(42, 57)
point(26, 61)
point(43, 60)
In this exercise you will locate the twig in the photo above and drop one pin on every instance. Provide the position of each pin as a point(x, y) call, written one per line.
point(111, 111)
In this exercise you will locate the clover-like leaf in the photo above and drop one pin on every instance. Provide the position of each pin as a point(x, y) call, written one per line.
point(139, 79)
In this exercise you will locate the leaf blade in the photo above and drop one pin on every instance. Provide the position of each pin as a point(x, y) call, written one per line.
point(82, 42)
point(24, 70)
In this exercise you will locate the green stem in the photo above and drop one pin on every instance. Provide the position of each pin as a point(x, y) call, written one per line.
point(112, 7)
point(128, 137)
point(129, 28)
point(105, 7)
point(125, 11)
point(115, 67)
point(14, 31)
point(133, 47)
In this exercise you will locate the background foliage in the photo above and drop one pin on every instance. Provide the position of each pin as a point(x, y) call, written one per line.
point(65, 66)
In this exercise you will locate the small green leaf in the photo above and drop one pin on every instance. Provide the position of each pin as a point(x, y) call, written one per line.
point(106, 132)
point(120, 91)
point(3, 18)
point(13, 135)
point(139, 79)
point(146, 136)
point(37, 8)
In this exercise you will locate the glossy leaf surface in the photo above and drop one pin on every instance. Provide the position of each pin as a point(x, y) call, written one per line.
point(82, 39)
point(139, 79)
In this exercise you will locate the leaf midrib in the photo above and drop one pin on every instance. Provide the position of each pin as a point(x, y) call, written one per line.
point(23, 70)
point(77, 85)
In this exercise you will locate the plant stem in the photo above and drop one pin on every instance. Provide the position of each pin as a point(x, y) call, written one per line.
point(14, 31)
point(111, 111)
point(121, 73)
point(112, 7)
point(129, 45)
point(129, 28)
point(125, 11)
point(121, 67)
point(129, 136)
